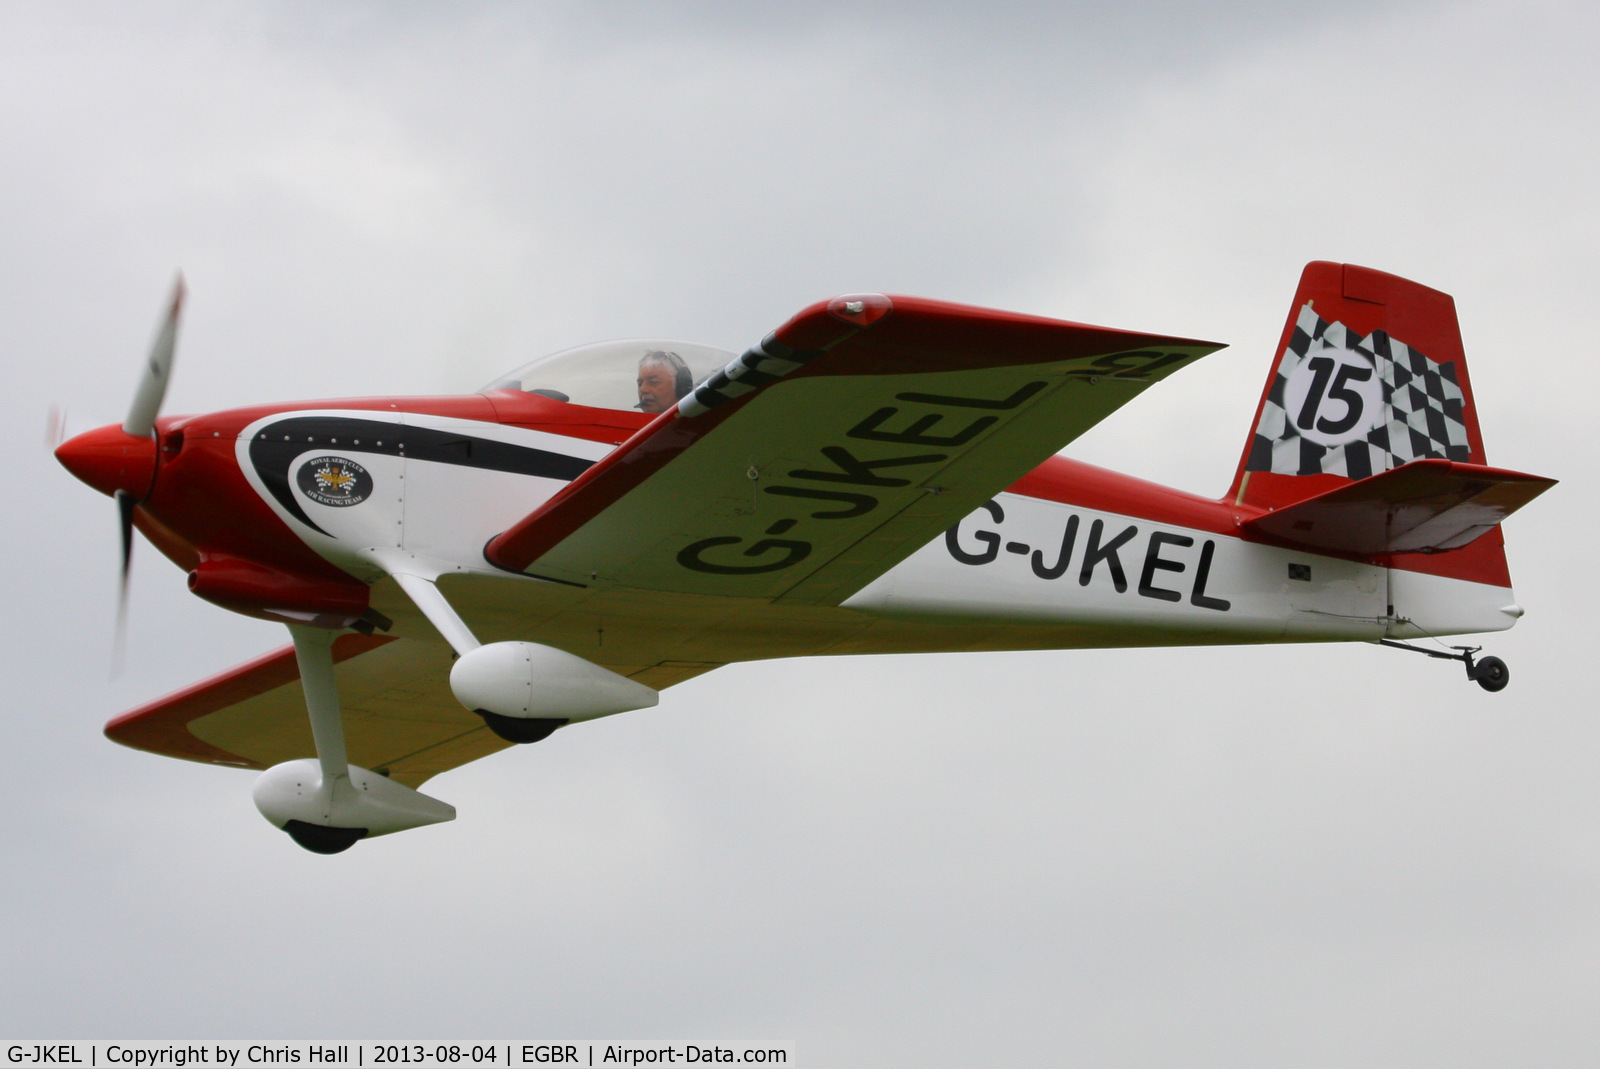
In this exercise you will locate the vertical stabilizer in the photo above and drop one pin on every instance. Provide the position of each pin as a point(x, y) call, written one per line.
point(1370, 375)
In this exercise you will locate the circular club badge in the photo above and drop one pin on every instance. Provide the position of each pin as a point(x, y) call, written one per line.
point(334, 481)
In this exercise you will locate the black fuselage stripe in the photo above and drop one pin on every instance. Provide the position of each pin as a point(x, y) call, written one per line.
point(274, 448)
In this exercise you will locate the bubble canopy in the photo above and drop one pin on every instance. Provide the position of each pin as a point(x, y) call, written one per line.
point(637, 374)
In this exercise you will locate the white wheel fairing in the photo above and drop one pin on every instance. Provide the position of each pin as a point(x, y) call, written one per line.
point(529, 680)
point(295, 790)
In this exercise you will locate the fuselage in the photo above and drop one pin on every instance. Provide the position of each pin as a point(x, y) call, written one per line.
point(299, 512)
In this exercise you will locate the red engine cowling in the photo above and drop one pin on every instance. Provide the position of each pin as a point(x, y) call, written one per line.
point(273, 594)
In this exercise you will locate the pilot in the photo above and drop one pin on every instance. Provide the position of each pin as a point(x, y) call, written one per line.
point(664, 380)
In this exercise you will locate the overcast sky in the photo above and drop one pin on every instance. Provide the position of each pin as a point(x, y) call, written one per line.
point(1281, 856)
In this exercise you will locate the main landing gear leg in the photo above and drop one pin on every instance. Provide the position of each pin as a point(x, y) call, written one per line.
point(325, 803)
point(313, 649)
point(1490, 673)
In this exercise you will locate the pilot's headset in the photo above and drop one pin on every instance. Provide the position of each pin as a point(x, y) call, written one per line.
point(682, 379)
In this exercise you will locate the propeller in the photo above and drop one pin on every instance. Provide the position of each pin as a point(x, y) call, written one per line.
point(152, 390)
point(122, 461)
point(141, 423)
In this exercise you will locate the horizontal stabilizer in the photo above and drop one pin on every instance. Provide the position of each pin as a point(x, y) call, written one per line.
point(1426, 506)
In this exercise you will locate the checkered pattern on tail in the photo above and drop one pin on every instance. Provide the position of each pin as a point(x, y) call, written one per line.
point(1423, 409)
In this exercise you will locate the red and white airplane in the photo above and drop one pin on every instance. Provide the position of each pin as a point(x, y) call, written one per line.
point(879, 475)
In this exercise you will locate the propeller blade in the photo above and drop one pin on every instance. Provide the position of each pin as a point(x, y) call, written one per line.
point(141, 421)
point(55, 427)
point(126, 503)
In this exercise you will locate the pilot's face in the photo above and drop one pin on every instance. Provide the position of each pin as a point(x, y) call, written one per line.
point(657, 391)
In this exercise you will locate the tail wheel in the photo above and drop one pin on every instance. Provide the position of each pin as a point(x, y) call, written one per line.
point(1491, 673)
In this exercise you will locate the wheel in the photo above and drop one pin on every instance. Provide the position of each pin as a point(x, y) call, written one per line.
point(520, 728)
point(1491, 674)
point(323, 840)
